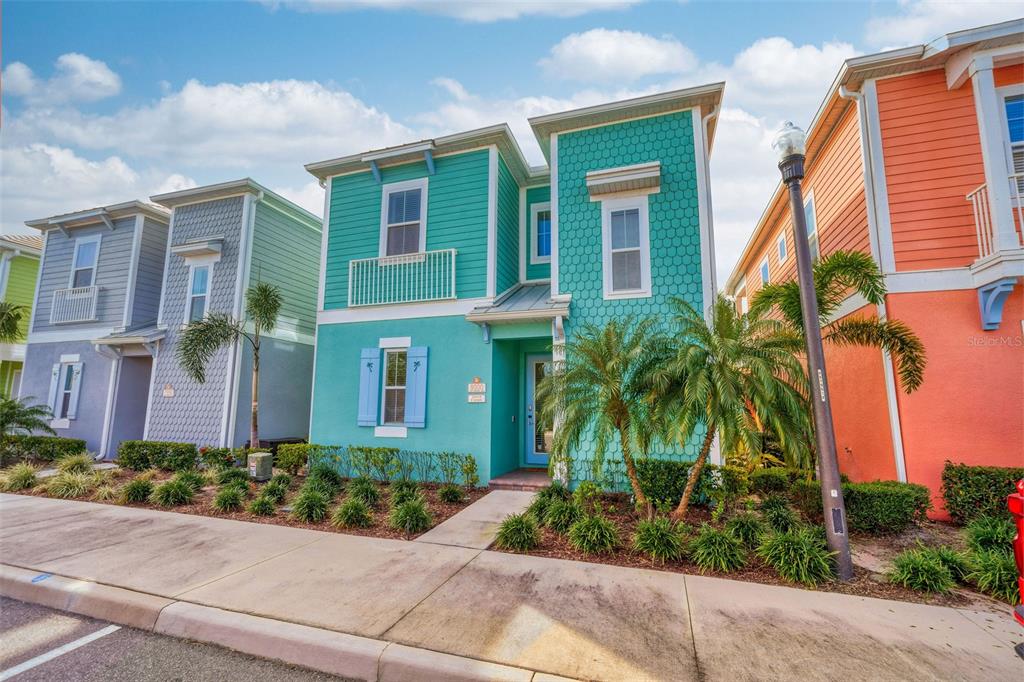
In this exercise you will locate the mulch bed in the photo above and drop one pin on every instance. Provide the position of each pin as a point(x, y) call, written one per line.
point(202, 505)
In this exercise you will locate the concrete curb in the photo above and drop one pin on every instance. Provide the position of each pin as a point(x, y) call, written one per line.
point(327, 651)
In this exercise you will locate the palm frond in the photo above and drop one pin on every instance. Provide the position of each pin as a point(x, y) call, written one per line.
point(11, 316)
point(20, 416)
point(263, 305)
point(201, 340)
point(892, 336)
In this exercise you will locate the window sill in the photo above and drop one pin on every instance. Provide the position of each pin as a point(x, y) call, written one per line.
point(390, 432)
point(540, 260)
point(618, 295)
point(60, 424)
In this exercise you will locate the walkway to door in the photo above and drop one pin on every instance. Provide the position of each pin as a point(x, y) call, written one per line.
point(477, 525)
point(521, 479)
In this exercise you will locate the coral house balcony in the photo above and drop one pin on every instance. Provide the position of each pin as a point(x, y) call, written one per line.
point(408, 278)
point(77, 304)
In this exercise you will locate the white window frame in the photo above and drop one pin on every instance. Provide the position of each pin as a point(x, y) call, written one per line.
point(95, 238)
point(65, 375)
point(816, 235)
point(744, 305)
point(384, 386)
point(390, 188)
point(765, 270)
point(608, 206)
point(192, 266)
point(535, 211)
point(1005, 93)
point(782, 248)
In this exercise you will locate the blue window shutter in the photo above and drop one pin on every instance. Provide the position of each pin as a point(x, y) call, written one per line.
point(76, 387)
point(369, 386)
point(54, 382)
point(416, 387)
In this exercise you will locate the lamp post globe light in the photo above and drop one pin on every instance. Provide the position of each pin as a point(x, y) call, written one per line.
point(789, 144)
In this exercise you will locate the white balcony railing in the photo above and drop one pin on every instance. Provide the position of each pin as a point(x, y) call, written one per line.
point(409, 278)
point(74, 305)
point(984, 229)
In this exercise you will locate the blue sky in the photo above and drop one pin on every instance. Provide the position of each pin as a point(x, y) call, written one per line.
point(103, 102)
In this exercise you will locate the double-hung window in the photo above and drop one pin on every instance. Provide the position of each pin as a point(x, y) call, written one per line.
point(393, 409)
point(65, 386)
point(86, 256)
point(1014, 110)
point(626, 245)
point(765, 273)
point(540, 251)
point(812, 227)
point(199, 292)
point(403, 218)
point(783, 253)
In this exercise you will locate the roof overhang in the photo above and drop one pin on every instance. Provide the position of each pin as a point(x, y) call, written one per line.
point(232, 188)
point(103, 214)
point(138, 341)
point(19, 248)
point(524, 303)
point(198, 248)
point(707, 97)
point(642, 176)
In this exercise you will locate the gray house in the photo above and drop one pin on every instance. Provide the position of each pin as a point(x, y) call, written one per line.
point(222, 238)
point(92, 337)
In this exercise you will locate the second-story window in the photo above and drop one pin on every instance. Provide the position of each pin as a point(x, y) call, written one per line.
point(404, 218)
point(393, 410)
point(812, 227)
point(541, 246)
point(83, 269)
point(199, 292)
point(765, 273)
point(1014, 109)
point(626, 244)
point(782, 248)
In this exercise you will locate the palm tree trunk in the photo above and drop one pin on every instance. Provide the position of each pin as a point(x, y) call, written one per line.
point(691, 482)
point(254, 428)
point(634, 481)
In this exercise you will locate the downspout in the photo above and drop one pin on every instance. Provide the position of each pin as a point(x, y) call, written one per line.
point(888, 370)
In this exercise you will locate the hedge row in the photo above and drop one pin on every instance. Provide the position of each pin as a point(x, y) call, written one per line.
point(973, 491)
point(148, 454)
point(663, 481)
point(14, 448)
point(876, 507)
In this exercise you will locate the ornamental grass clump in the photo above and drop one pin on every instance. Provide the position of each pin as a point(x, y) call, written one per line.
point(21, 476)
point(594, 534)
point(365, 489)
point(404, 491)
point(281, 479)
point(310, 506)
point(958, 563)
point(193, 478)
point(136, 491)
point(717, 550)
point(747, 527)
point(104, 493)
point(798, 556)
point(321, 486)
point(262, 505)
point(275, 491)
point(324, 472)
point(352, 513)
point(778, 514)
point(172, 493)
point(660, 539)
point(75, 464)
point(225, 476)
point(545, 496)
point(561, 514)
point(451, 494)
point(67, 485)
point(228, 499)
point(995, 573)
point(410, 517)
point(518, 532)
point(990, 533)
point(922, 571)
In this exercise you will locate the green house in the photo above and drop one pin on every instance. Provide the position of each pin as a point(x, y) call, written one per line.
point(19, 268)
point(453, 271)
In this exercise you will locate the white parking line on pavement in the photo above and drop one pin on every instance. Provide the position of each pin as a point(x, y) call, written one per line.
point(54, 653)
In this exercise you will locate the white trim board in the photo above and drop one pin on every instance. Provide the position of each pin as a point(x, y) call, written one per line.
point(65, 335)
point(400, 312)
point(642, 204)
point(535, 211)
point(324, 241)
point(553, 146)
point(492, 220)
point(133, 270)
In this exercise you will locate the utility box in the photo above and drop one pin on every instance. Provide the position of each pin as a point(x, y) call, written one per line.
point(261, 466)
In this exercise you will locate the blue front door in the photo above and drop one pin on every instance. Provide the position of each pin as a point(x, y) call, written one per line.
point(538, 435)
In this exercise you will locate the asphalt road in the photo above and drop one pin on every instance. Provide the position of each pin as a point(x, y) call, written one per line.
point(28, 631)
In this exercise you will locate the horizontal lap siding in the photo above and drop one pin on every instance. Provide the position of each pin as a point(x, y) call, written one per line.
point(286, 253)
point(150, 273)
point(508, 229)
point(932, 155)
point(456, 219)
point(1008, 75)
point(21, 286)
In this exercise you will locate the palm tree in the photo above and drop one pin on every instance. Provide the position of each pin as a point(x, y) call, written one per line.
point(16, 415)
point(10, 321)
point(835, 277)
point(601, 390)
point(734, 376)
point(203, 338)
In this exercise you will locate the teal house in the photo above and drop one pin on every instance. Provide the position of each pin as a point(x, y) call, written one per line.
point(453, 272)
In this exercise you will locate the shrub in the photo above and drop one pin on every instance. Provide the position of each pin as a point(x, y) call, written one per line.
point(971, 491)
point(364, 489)
point(241, 486)
point(995, 574)
point(322, 471)
point(920, 570)
point(310, 506)
point(806, 497)
point(217, 458)
point(518, 532)
point(42, 448)
point(228, 499)
point(663, 481)
point(75, 464)
point(746, 527)
point(136, 491)
point(104, 493)
point(451, 494)
point(410, 517)
point(594, 534)
point(225, 476)
point(403, 494)
point(283, 480)
point(193, 478)
point(262, 505)
point(561, 514)
point(539, 506)
point(320, 485)
point(274, 491)
point(470, 477)
point(292, 456)
point(172, 493)
point(798, 556)
point(717, 550)
point(659, 539)
point(990, 533)
point(778, 514)
point(169, 456)
point(588, 496)
point(768, 481)
point(21, 476)
point(67, 485)
point(957, 562)
point(885, 507)
point(352, 513)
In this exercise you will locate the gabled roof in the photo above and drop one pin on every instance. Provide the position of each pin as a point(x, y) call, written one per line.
point(31, 244)
point(101, 214)
point(221, 190)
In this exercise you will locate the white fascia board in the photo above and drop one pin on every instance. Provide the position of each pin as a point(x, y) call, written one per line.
point(406, 311)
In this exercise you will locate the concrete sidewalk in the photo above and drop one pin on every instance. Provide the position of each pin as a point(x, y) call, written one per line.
point(390, 609)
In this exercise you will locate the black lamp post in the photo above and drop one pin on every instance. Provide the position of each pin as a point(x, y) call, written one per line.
point(789, 144)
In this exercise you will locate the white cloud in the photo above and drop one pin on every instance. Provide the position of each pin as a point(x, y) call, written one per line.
point(480, 11)
point(920, 21)
point(309, 196)
point(603, 55)
point(76, 78)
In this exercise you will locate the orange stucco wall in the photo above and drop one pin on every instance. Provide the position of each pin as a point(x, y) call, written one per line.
point(932, 153)
point(970, 407)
